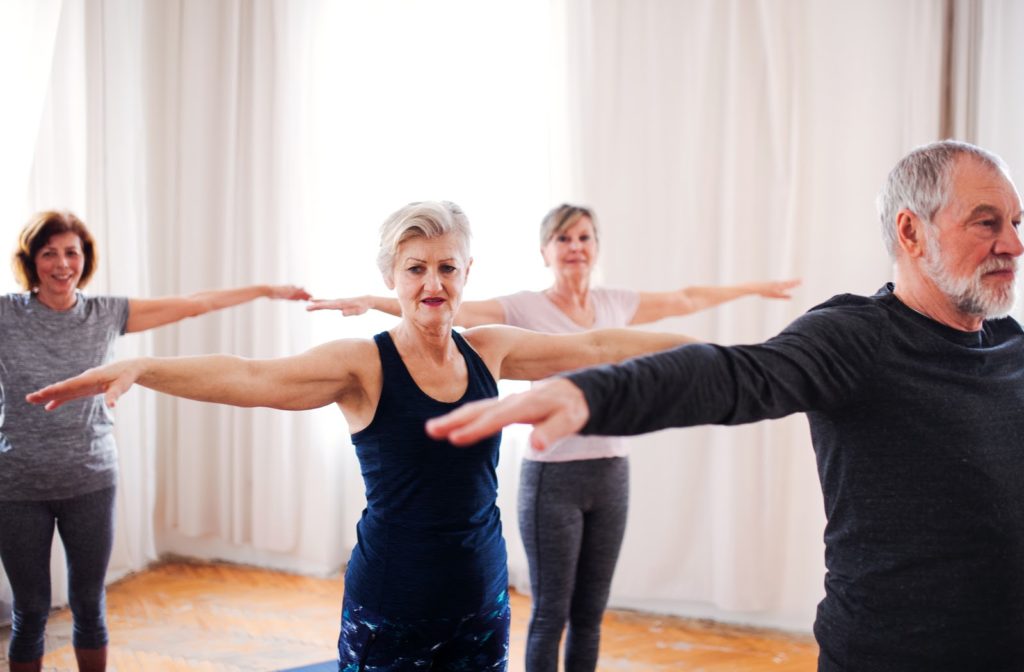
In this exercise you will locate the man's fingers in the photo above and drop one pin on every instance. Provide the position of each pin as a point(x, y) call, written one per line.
point(554, 428)
point(442, 427)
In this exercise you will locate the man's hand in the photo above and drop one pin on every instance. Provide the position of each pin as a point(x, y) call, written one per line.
point(556, 408)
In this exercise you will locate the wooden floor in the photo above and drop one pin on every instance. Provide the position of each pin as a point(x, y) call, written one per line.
point(226, 618)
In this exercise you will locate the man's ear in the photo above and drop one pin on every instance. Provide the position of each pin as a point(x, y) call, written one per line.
point(910, 234)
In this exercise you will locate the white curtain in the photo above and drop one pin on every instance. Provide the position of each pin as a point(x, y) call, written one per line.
point(724, 141)
point(28, 31)
point(228, 103)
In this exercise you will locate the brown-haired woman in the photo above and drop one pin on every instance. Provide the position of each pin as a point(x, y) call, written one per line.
point(60, 469)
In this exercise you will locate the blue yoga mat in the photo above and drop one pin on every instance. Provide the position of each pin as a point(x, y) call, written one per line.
point(329, 666)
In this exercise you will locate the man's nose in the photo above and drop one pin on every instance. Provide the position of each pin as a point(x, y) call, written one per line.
point(1009, 242)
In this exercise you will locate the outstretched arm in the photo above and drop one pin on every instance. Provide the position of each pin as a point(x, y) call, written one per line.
point(470, 313)
point(819, 362)
point(659, 305)
point(315, 378)
point(519, 354)
point(146, 314)
point(357, 305)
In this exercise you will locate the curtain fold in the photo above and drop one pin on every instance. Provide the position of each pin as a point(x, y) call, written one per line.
point(231, 150)
point(28, 34)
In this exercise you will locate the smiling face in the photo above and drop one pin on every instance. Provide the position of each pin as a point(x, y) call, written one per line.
point(972, 245)
point(573, 250)
point(59, 264)
point(428, 277)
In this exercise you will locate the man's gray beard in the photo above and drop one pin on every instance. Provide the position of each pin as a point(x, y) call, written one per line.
point(969, 294)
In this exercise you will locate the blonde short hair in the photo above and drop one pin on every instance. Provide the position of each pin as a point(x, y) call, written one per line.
point(561, 218)
point(427, 219)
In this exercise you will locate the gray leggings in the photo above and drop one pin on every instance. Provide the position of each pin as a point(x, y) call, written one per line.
point(572, 516)
point(86, 526)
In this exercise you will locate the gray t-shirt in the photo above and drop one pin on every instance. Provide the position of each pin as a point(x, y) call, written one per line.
point(69, 451)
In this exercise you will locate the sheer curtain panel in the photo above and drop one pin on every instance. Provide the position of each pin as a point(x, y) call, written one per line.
point(725, 141)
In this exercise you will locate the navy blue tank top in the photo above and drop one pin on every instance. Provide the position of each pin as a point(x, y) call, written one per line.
point(429, 542)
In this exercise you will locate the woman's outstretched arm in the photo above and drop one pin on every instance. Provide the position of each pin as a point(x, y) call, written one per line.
point(312, 379)
point(659, 305)
point(470, 313)
point(146, 314)
point(520, 354)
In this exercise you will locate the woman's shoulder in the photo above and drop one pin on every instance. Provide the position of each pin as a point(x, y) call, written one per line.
point(523, 297)
point(614, 295)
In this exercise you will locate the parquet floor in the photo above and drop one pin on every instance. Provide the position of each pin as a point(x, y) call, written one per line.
point(225, 618)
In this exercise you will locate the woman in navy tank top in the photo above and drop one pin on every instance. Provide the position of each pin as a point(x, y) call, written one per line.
point(426, 584)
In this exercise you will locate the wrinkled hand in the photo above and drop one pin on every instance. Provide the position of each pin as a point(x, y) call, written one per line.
point(776, 289)
point(349, 307)
point(556, 409)
point(111, 380)
point(289, 292)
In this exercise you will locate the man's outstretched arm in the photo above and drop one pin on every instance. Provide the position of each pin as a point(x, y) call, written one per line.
point(815, 364)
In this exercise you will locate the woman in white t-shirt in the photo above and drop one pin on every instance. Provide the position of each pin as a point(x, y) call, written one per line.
point(573, 498)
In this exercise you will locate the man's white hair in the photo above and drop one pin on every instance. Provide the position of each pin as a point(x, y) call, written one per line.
point(921, 183)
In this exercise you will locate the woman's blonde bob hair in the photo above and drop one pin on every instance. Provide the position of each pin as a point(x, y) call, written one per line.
point(426, 219)
point(563, 217)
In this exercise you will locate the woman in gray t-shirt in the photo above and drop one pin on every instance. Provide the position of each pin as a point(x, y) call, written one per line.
point(60, 469)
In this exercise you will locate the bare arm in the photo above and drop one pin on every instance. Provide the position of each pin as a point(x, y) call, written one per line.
point(357, 305)
point(146, 314)
point(519, 354)
point(659, 305)
point(470, 314)
point(318, 377)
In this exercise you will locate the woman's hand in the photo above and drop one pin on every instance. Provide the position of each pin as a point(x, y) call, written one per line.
point(289, 292)
point(110, 380)
point(356, 305)
point(775, 289)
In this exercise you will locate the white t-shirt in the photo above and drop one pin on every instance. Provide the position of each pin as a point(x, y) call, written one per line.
point(613, 308)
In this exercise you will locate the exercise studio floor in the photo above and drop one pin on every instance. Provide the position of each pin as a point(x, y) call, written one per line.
point(225, 618)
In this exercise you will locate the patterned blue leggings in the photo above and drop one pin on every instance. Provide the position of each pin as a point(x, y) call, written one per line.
point(473, 643)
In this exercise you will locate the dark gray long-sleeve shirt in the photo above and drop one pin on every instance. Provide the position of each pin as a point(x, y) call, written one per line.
point(918, 431)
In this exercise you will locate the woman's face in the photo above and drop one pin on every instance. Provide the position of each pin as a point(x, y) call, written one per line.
point(59, 265)
point(429, 276)
point(573, 250)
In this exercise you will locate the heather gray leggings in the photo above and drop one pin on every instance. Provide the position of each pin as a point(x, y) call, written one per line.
point(572, 516)
point(86, 526)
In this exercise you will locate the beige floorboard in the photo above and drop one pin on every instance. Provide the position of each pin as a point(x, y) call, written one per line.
point(226, 618)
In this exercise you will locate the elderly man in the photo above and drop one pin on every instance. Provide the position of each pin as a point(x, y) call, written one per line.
point(915, 398)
